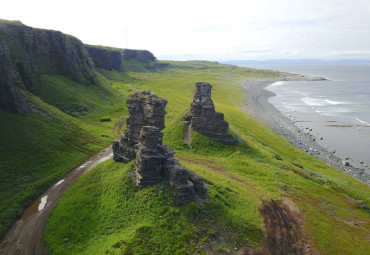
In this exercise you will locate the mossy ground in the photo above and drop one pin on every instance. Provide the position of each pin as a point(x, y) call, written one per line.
point(104, 213)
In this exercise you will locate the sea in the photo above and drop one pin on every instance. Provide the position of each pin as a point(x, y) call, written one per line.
point(336, 111)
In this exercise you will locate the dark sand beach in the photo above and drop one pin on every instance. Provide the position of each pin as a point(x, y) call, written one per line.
point(258, 106)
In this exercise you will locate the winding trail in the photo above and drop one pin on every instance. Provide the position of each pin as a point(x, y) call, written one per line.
point(24, 237)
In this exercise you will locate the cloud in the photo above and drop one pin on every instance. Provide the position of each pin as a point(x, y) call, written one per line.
point(348, 53)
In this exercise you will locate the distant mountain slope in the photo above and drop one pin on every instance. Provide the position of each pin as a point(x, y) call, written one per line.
point(125, 60)
point(27, 53)
point(52, 106)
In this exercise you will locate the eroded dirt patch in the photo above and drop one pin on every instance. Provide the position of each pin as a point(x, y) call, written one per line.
point(284, 229)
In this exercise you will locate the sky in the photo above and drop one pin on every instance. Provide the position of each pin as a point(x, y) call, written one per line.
point(218, 30)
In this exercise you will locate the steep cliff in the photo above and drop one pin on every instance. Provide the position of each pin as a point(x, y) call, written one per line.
point(106, 58)
point(124, 60)
point(26, 53)
point(141, 55)
point(139, 61)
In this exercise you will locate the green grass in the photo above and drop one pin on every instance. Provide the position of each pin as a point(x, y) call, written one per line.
point(112, 210)
point(79, 100)
point(144, 221)
point(36, 150)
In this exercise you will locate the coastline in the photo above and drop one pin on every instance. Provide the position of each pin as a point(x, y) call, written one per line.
point(258, 107)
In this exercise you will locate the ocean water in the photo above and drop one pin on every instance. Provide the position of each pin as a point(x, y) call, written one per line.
point(336, 112)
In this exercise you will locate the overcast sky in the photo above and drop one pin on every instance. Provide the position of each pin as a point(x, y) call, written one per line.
point(209, 29)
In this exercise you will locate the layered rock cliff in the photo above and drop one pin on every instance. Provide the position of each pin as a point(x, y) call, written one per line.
point(141, 55)
point(125, 60)
point(106, 58)
point(203, 117)
point(145, 109)
point(142, 141)
point(26, 53)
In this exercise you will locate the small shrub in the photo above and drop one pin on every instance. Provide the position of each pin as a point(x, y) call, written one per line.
point(105, 120)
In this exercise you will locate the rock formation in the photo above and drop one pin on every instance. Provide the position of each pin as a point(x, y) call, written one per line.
point(145, 109)
point(154, 162)
point(203, 117)
point(149, 157)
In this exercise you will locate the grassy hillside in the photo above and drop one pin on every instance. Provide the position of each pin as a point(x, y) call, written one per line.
point(37, 149)
point(104, 213)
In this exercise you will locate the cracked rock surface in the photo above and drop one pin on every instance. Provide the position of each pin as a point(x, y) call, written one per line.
point(145, 109)
point(203, 117)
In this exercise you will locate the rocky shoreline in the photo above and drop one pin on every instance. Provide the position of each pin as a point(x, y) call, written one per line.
point(259, 107)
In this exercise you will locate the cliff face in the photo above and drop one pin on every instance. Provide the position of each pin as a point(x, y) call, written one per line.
point(109, 58)
point(139, 61)
point(26, 53)
point(11, 96)
point(141, 55)
point(105, 58)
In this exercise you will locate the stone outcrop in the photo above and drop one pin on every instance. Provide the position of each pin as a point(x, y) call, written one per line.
point(149, 157)
point(145, 109)
point(154, 161)
point(203, 117)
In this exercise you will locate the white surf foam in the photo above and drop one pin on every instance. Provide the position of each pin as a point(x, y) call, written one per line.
point(332, 102)
point(278, 83)
point(363, 122)
point(313, 101)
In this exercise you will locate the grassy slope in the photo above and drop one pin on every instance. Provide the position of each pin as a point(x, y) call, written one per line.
point(38, 149)
point(111, 210)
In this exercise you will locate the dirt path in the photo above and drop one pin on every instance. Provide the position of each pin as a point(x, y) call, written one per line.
point(24, 237)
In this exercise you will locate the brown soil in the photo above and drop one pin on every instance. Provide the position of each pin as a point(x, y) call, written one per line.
point(284, 229)
point(33, 208)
